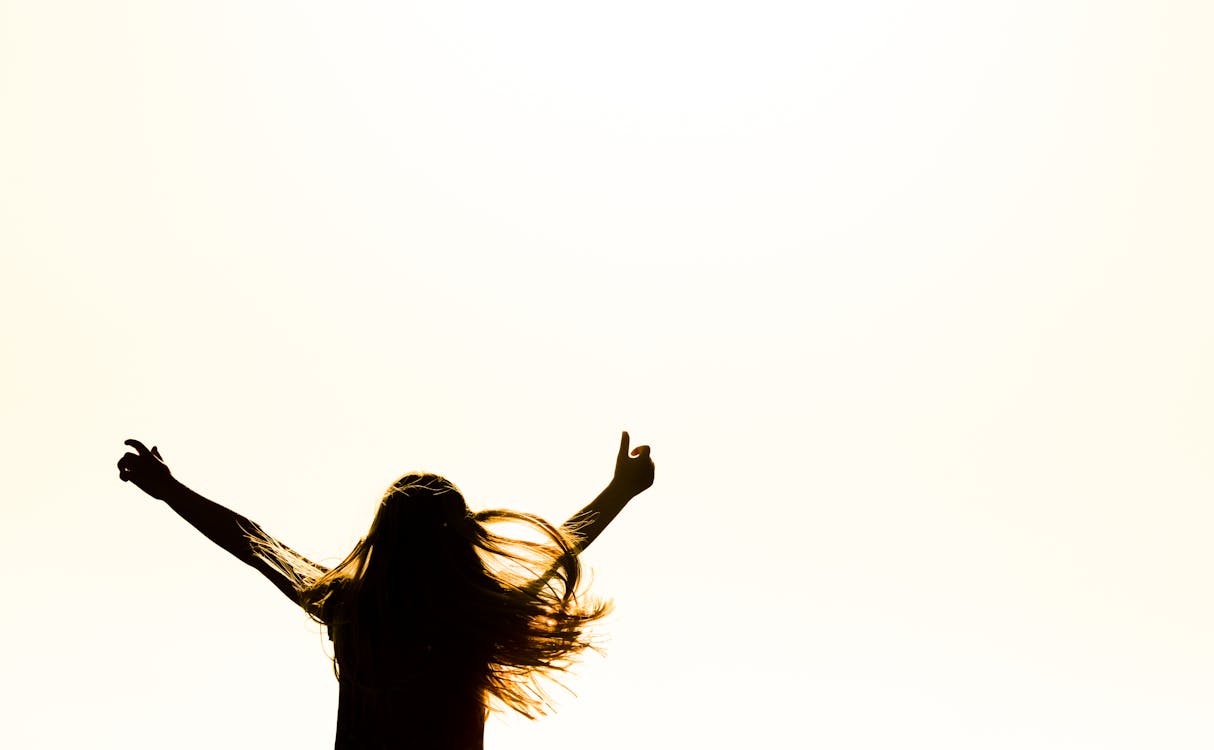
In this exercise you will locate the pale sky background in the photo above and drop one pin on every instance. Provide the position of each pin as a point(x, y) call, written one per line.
point(912, 300)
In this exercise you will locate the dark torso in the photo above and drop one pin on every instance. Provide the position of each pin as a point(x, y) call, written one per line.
point(420, 697)
point(379, 721)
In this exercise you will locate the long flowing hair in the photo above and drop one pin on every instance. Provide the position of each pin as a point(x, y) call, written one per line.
point(432, 580)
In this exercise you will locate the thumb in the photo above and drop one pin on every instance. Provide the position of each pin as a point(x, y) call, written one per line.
point(156, 453)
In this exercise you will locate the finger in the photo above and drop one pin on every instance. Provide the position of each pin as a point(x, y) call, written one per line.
point(138, 446)
point(124, 468)
point(624, 444)
point(156, 453)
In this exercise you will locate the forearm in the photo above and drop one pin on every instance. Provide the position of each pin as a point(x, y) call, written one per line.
point(586, 525)
point(222, 526)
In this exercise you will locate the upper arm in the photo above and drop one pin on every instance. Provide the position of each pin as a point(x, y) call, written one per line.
point(276, 577)
point(284, 559)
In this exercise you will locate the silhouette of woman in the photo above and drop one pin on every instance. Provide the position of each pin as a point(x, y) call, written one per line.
point(435, 618)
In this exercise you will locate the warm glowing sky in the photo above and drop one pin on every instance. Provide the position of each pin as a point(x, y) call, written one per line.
point(913, 301)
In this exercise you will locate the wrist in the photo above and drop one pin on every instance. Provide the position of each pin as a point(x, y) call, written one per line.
point(621, 490)
point(166, 489)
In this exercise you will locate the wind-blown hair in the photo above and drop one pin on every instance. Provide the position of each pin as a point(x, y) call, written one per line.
point(432, 584)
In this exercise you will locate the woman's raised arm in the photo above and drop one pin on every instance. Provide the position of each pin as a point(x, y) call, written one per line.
point(230, 530)
point(633, 475)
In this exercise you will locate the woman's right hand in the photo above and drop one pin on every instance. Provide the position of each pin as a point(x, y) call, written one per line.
point(633, 470)
point(146, 469)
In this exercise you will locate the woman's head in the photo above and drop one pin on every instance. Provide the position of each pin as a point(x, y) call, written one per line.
point(420, 552)
point(432, 574)
point(417, 507)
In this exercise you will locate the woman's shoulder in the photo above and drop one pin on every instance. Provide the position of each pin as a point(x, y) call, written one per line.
point(325, 603)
